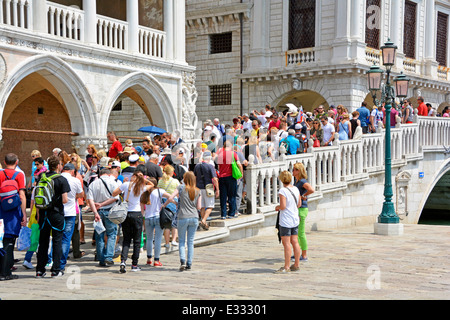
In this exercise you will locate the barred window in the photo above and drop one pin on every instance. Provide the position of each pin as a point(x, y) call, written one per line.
point(220, 43)
point(409, 36)
point(372, 24)
point(220, 95)
point(442, 39)
point(302, 24)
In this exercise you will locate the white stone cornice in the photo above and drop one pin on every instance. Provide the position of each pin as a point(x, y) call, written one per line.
point(89, 54)
point(216, 15)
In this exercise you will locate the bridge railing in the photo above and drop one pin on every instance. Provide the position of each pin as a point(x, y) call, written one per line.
point(346, 162)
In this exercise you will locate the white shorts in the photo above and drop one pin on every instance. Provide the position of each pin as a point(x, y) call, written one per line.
point(207, 202)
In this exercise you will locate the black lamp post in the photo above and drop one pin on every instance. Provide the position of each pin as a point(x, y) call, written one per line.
point(388, 214)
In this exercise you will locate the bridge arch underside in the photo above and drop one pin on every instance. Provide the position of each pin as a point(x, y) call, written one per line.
point(308, 99)
point(436, 208)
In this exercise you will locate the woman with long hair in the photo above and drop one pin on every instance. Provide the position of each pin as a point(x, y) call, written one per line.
point(189, 202)
point(150, 207)
point(305, 189)
point(92, 151)
point(132, 226)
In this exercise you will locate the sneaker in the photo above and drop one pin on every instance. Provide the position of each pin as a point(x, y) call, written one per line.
point(188, 268)
point(109, 262)
point(57, 274)
point(157, 264)
point(40, 274)
point(28, 265)
point(149, 262)
point(303, 259)
point(174, 243)
point(167, 246)
point(122, 267)
point(135, 268)
point(283, 270)
point(49, 265)
point(182, 267)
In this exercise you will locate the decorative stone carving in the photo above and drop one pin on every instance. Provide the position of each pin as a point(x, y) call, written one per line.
point(189, 116)
point(402, 181)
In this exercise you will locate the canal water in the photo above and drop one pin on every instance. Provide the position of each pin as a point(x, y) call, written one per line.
point(435, 217)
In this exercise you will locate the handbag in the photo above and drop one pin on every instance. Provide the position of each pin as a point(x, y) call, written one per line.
point(236, 172)
point(209, 188)
point(165, 216)
point(118, 213)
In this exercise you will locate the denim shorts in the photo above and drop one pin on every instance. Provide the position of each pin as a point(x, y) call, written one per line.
point(287, 232)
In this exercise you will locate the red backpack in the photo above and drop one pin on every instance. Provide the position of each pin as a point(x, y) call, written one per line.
point(9, 193)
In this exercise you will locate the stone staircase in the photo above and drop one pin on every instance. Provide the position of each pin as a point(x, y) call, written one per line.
point(244, 226)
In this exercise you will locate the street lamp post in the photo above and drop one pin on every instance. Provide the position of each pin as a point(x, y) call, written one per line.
point(388, 214)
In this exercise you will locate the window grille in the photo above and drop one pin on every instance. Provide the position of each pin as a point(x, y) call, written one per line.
point(220, 43)
point(220, 95)
point(442, 39)
point(302, 24)
point(373, 23)
point(409, 36)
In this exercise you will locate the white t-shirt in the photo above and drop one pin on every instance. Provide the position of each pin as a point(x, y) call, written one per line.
point(152, 209)
point(75, 187)
point(289, 216)
point(328, 131)
point(134, 203)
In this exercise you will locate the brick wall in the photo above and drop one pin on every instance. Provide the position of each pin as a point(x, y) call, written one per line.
point(25, 116)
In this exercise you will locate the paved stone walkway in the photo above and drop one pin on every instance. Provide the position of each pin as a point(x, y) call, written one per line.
point(344, 264)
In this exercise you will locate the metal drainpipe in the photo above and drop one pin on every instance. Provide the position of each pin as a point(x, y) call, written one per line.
point(241, 93)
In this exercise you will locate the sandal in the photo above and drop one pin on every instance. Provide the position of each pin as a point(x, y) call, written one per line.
point(204, 225)
point(294, 268)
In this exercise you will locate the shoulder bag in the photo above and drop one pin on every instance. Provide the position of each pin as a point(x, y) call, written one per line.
point(236, 172)
point(118, 213)
point(166, 216)
point(209, 187)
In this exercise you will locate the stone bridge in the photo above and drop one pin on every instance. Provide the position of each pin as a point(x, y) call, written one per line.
point(348, 179)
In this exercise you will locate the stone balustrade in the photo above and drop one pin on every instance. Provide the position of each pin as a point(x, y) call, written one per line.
point(346, 162)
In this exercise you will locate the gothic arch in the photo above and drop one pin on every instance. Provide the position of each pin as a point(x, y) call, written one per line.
point(66, 84)
point(149, 94)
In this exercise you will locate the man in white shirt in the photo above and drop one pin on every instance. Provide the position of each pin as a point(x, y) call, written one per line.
point(247, 123)
point(99, 198)
point(328, 131)
point(70, 209)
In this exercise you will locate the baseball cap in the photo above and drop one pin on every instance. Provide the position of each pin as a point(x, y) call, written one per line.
point(115, 164)
point(298, 126)
point(69, 166)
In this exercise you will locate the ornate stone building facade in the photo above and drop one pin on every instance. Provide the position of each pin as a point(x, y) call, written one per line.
point(251, 53)
point(73, 69)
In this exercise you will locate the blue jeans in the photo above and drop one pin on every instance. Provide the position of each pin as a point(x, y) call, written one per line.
point(106, 252)
point(66, 240)
point(228, 192)
point(152, 225)
point(186, 226)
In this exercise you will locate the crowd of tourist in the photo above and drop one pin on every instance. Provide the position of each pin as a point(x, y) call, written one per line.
point(160, 173)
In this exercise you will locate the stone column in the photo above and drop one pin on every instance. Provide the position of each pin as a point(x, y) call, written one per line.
point(133, 25)
point(342, 41)
point(431, 65)
point(168, 28)
point(259, 48)
point(40, 16)
point(179, 29)
point(90, 21)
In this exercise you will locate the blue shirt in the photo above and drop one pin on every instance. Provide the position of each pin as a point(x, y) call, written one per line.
point(294, 144)
point(364, 115)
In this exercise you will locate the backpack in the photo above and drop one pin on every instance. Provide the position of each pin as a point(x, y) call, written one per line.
point(285, 143)
point(9, 193)
point(45, 190)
